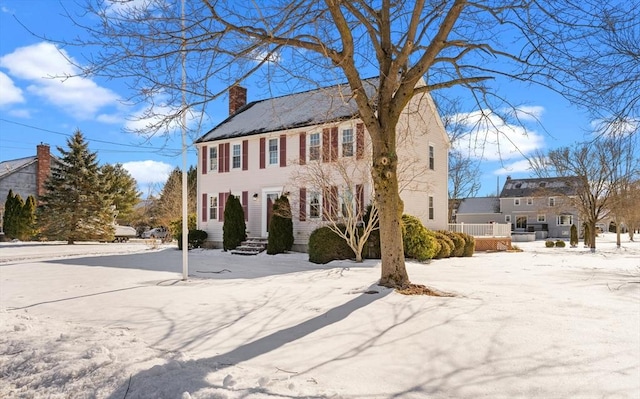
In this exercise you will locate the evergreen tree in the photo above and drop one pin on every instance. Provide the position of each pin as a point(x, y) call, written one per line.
point(573, 241)
point(123, 190)
point(280, 227)
point(234, 229)
point(27, 220)
point(76, 206)
point(12, 210)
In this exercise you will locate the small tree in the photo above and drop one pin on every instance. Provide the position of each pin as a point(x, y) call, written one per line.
point(234, 229)
point(12, 207)
point(27, 229)
point(574, 236)
point(280, 227)
point(587, 235)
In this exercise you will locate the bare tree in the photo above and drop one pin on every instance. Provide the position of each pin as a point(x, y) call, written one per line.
point(340, 185)
point(448, 43)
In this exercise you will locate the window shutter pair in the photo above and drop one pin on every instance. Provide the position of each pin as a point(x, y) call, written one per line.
point(223, 157)
point(282, 149)
point(329, 144)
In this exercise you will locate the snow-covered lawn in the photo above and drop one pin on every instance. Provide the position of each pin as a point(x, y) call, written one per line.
point(115, 321)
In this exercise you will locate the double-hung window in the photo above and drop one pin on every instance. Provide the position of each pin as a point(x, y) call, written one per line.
point(431, 209)
point(314, 205)
point(213, 207)
point(273, 152)
point(236, 159)
point(432, 159)
point(347, 143)
point(213, 158)
point(564, 220)
point(314, 146)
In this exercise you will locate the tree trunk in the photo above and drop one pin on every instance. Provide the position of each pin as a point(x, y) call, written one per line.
point(592, 238)
point(390, 208)
point(617, 232)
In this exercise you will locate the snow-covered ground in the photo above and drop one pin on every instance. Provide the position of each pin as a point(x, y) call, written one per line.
point(116, 321)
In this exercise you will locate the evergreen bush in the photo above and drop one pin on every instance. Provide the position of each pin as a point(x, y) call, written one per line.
point(549, 244)
point(419, 244)
point(234, 229)
point(281, 227)
point(573, 241)
point(469, 244)
point(458, 242)
point(560, 244)
point(325, 246)
point(446, 245)
point(195, 238)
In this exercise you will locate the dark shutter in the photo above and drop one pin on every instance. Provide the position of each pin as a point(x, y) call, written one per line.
point(221, 207)
point(326, 143)
point(303, 204)
point(359, 141)
point(245, 205)
point(245, 154)
point(283, 150)
point(303, 148)
point(227, 157)
point(204, 161)
point(220, 158)
point(334, 143)
point(204, 207)
point(263, 143)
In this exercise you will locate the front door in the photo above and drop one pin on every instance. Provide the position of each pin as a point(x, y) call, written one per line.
point(269, 197)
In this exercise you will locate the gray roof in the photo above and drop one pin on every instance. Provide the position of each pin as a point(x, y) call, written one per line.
point(314, 107)
point(479, 205)
point(10, 166)
point(540, 187)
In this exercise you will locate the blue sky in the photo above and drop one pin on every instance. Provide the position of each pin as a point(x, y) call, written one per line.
point(35, 108)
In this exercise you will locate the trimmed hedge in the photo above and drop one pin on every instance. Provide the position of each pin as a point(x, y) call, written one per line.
point(446, 245)
point(549, 244)
point(469, 244)
point(458, 242)
point(280, 227)
point(325, 246)
point(560, 244)
point(195, 238)
point(419, 244)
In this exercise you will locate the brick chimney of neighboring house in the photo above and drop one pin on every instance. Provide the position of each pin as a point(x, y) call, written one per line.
point(43, 168)
point(237, 98)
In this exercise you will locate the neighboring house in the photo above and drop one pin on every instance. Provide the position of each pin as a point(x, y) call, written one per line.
point(257, 152)
point(541, 204)
point(479, 210)
point(25, 176)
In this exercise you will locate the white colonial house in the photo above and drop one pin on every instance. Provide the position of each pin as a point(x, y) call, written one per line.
point(291, 145)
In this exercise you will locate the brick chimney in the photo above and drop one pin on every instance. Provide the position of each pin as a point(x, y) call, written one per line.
point(43, 167)
point(237, 98)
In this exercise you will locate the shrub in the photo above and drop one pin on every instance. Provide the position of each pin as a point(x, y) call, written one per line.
point(469, 244)
point(195, 238)
point(560, 244)
point(280, 227)
point(573, 241)
point(446, 245)
point(234, 229)
point(325, 246)
point(458, 242)
point(419, 244)
point(549, 244)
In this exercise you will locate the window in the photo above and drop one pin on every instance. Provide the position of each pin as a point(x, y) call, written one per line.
point(347, 143)
point(516, 201)
point(542, 218)
point(564, 220)
point(314, 205)
point(314, 146)
point(273, 151)
point(348, 205)
point(213, 207)
point(507, 218)
point(521, 222)
point(213, 158)
point(552, 201)
point(529, 201)
point(236, 161)
point(431, 213)
point(432, 160)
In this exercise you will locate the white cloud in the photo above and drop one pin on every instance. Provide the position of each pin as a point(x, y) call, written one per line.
point(521, 166)
point(490, 138)
point(148, 172)
point(20, 113)
point(110, 118)
point(615, 127)
point(52, 76)
point(147, 120)
point(531, 113)
point(9, 93)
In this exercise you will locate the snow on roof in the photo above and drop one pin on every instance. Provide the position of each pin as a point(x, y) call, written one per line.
point(540, 186)
point(314, 107)
point(10, 166)
point(479, 205)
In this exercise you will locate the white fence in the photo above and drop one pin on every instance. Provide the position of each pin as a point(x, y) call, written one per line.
point(482, 230)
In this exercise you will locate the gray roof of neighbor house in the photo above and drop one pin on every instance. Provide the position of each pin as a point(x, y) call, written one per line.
point(540, 187)
point(309, 108)
point(10, 166)
point(479, 205)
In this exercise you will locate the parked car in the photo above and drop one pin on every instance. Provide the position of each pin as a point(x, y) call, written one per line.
point(158, 232)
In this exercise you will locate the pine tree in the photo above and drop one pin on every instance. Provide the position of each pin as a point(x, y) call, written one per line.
point(122, 189)
point(234, 229)
point(76, 206)
point(12, 209)
point(280, 227)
